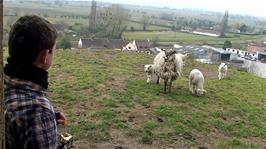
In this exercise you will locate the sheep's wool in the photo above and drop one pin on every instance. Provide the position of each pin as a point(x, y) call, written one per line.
point(168, 70)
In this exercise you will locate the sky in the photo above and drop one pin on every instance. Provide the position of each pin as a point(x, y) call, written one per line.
point(243, 7)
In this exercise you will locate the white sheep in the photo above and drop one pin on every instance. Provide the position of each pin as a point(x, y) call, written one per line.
point(222, 70)
point(149, 70)
point(165, 68)
point(180, 62)
point(196, 82)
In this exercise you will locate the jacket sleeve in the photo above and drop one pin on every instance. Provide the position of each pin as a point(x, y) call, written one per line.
point(42, 132)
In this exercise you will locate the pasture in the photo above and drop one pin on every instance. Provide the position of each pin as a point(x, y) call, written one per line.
point(188, 38)
point(107, 101)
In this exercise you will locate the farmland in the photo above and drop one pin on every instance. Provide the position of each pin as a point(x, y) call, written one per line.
point(107, 102)
point(187, 38)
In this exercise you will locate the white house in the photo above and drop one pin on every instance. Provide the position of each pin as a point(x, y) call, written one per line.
point(131, 46)
point(138, 46)
point(80, 44)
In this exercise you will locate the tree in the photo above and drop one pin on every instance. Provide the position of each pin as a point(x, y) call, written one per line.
point(92, 18)
point(224, 24)
point(155, 41)
point(114, 24)
point(264, 32)
point(227, 44)
point(166, 16)
point(132, 28)
point(65, 43)
point(243, 28)
point(145, 21)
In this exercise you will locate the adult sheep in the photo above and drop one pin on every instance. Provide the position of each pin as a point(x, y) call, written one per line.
point(165, 68)
point(196, 82)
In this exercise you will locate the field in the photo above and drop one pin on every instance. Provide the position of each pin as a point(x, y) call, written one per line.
point(107, 101)
point(187, 38)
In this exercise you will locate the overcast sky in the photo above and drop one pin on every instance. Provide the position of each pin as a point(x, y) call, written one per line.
point(243, 7)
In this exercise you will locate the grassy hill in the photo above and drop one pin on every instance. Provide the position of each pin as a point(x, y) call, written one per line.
point(107, 101)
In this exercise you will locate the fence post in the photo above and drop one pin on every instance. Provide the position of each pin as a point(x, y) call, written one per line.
point(2, 117)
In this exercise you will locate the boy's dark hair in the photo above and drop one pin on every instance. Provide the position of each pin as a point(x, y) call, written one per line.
point(28, 36)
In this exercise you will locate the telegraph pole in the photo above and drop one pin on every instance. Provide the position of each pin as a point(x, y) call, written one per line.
point(2, 117)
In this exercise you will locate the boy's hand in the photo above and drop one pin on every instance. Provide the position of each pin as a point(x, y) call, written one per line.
point(60, 118)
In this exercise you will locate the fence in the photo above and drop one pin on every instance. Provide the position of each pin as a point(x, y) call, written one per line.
point(255, 67)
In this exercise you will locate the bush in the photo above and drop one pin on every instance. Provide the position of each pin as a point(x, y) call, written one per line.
point(227, 44)
point(65, 43)
point(132, 28)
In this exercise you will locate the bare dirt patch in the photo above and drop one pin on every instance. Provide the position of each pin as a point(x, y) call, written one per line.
point(117, 83)
point(119, 140)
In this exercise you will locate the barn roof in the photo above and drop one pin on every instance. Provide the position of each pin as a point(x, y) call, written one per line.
point(103, 43)
point(143, 45)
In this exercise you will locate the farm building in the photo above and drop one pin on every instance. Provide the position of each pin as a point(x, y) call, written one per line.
point(101, 43)
point(198, 52)
point(239, 52)
point(262, 56)
point(60, 28)
point(206, 32)
point(256, 47)
point(155, 50)
point(218, 54)
point(138, 46)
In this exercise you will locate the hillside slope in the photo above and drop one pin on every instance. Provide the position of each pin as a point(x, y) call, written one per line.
point(107, 101)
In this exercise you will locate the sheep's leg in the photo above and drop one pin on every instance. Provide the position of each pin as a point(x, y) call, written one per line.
point(219, 76)
point(165, 85)
point(158, 80)
point(190, 85)
point(148, 80)
point(193, 88)
point(170, 85)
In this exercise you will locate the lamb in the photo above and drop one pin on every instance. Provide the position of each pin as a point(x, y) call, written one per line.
point(180, 62)
point(222, 71)
point(165, 68)
point(196, 82)
point(149, 69)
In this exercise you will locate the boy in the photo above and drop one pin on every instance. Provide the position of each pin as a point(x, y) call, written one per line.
point(31, 122)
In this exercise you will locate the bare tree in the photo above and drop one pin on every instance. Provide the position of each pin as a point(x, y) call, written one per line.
point(145, 21)
point(224, 24)
point(93, 13)
point(113, 22)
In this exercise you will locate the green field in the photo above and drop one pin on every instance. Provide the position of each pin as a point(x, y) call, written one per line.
point(107, 101)
point(187, 38)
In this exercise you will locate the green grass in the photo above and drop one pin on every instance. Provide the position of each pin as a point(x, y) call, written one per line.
point(98, 90)
point(139, 26)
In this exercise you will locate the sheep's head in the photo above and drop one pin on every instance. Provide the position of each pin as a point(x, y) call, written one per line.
point(223, 65)
point(201, 92)
point(169, 55)
point(147, 68)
